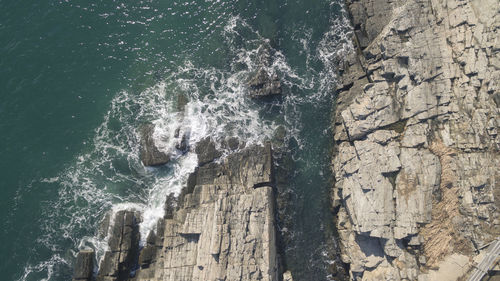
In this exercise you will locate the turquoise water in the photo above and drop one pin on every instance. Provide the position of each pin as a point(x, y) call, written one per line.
point(78, 78)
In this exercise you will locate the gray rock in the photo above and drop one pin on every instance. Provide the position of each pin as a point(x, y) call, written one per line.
point(182, 142)
point(287, 276)
point(84, 265)
point(206, 151)
point(149, 153)
point(121, 258)
point(416, 127)
point(233, 143)
point(264, 85)
point(224, 227)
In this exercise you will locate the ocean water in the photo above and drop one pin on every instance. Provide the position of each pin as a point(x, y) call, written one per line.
point(79, 78)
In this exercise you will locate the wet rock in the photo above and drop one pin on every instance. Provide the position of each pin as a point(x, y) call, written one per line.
point(149, 153)
point(182, 144)
point(148, 254)
point(265, 54)
point(233, 143)
point(206, 151)
point(102, 232)
point(84, 265)
point(121, 258)
point(170, 206)
point(264, 85)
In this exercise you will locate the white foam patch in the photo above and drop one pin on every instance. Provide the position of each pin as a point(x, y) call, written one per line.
point(45, 266)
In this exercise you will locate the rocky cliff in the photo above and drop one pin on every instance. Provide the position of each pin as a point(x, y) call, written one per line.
point(416, 136)
point(223, 227)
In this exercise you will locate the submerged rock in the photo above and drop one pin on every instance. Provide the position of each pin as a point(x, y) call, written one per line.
point(264, 85)
point(149, 153)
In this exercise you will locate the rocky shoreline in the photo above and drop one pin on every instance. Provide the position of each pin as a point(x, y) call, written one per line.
point(416, 136)
point(223, 228)
point(415, 163)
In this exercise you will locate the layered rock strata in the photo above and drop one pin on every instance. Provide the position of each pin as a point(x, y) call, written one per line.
point(265, 82)
point(123, 247)
point(223, 227)
point(416, 132)
point(84, 265)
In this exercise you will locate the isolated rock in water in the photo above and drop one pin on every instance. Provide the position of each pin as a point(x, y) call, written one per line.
point(263, 85)
point(149, 153)
point(287, 276)
point(182, 142)
point(84, 265)
point(121, 257)
point(206, 151)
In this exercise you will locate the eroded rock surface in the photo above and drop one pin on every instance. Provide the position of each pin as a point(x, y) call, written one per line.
point(84, 265)
point(150, 154)
point(120, 260)
point(416, 132)
point(224, 227)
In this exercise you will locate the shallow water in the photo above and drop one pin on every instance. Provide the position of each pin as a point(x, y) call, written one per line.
point(78, 79)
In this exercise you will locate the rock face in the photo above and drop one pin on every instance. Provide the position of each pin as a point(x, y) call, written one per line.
point(416, 133)
point(224, 227)
point(120, 260)
point(84, 265)
point(206, 151)
point(149, 153)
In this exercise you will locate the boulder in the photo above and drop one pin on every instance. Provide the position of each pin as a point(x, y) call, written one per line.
point(264, 85)
point(206, 151)
point(149, 153)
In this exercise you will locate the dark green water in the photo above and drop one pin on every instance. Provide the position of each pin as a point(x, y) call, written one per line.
point(77, 78)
